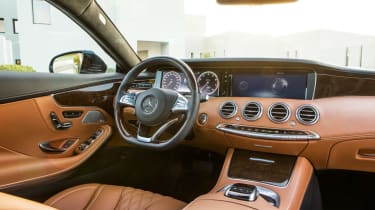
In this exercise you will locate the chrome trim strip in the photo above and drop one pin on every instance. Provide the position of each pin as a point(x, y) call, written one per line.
point(157, 133)
point(315, 81)
point(263, 146)
point(270, 194)
point(181, 104)
point(262, 160)
point(262, 191)
point(308, 136)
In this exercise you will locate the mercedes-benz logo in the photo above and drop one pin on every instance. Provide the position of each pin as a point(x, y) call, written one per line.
point(149, 104)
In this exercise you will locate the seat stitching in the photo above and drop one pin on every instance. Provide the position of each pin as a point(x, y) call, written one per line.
point(140, 202)
point(120, 198)
point(51, 203)
point(151, 202)
point(127, 191)
point(134, 191)
point(99, 189)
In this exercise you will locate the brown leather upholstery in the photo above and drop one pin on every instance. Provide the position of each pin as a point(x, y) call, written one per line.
point(103, 197)
point(12, 202)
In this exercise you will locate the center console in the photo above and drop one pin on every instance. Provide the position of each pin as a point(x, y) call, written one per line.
point(255, 180)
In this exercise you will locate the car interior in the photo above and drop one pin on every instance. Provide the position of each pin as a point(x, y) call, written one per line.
point(169, 133)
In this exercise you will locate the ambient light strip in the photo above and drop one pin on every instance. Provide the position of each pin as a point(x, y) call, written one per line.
point(268, 133)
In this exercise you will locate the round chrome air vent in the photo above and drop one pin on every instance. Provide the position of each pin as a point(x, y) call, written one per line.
point(252, 111)
point(307, 114)
point(278, 112)
point(228, 109)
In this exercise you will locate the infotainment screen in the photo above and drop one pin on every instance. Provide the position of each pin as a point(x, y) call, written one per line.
point(293, 86)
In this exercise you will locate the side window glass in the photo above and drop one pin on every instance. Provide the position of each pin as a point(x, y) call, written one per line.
point(33, 32)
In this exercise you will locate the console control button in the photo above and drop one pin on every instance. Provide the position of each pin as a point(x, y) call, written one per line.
point(82, 147)
point(242, 192)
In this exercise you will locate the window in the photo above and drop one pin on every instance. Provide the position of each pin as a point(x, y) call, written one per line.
point(41, 12)
point(39, 42)
point(2, 25)
point(15, 22)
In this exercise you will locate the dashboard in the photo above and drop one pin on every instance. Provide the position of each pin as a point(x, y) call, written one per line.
point(278, 84)
point(283, 106)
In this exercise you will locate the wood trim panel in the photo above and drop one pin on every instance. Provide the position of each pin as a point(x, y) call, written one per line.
point(99, 96)
point(291, 196)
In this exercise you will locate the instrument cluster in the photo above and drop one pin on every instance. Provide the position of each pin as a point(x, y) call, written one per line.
point(208, 82)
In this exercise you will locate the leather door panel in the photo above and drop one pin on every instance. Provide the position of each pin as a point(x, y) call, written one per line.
point(25, 124)
point(356, 155)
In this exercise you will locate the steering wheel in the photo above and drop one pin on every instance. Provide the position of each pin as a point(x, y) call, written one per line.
point(157, 108)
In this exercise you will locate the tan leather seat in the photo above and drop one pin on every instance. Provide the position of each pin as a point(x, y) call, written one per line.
point(102, 197)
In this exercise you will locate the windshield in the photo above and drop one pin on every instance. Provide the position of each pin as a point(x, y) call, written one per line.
point(330, 31)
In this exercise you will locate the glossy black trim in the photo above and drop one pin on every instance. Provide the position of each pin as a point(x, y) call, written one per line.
point(262, 167)
point(16, 86)
point(278, 61)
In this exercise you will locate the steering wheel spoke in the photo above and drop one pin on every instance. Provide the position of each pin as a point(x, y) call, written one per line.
point(181, 104)
point(153, 138)
point(127, 100)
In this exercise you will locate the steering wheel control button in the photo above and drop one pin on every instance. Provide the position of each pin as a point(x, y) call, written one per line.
point(128, 99)
point(203, 118)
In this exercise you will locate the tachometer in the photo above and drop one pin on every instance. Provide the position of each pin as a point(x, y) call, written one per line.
point(171, 80)
point(208, 82)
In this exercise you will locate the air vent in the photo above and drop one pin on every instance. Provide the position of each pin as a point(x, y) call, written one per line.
point(307, 114)
point(252, 111)
point(142, 84)
point(228, 109)
point(279, 112)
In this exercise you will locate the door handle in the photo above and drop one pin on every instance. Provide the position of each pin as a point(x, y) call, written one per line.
point(370, 153)
point(57, 146)
point(58, 124)
point(46, 147)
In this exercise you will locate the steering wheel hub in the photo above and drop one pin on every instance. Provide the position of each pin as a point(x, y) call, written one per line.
point(149, 104)
point(153, 106)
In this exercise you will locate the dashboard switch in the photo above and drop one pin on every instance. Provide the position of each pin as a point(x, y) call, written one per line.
point(58, 124)
point(82, 147)
point(203, 118)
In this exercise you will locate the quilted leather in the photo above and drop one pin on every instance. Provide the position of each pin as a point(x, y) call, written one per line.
point(102, 197)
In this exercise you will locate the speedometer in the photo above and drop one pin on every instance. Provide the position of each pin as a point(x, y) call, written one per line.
point(171, 80)
point(208, 82)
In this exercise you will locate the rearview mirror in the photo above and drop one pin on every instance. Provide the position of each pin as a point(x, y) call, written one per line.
point(77, 62)
point(247, 2)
